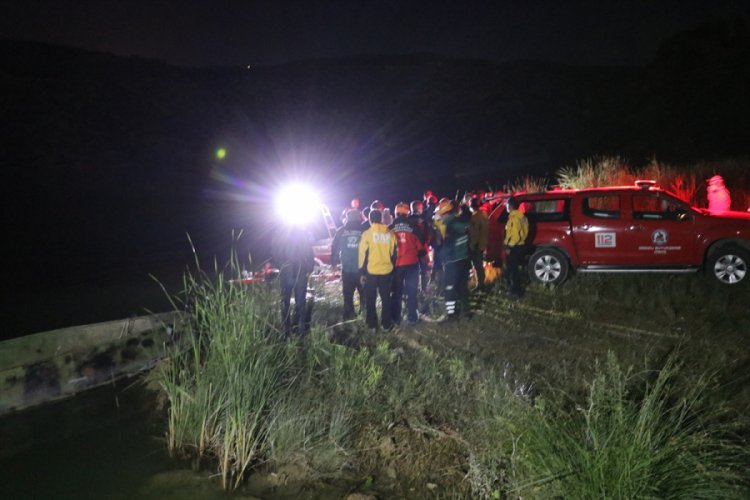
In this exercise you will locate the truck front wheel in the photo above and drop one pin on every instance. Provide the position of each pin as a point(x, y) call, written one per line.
point(548, 266)
point(729, 265)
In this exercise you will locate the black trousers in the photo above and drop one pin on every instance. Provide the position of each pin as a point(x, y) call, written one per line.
point(457, 287)
point(477, 260)
point(405, 280)
point(351, 282)
point(378, 284)
point(424, 272)
point(293, 283)
point(437, 268)
point(513, 262)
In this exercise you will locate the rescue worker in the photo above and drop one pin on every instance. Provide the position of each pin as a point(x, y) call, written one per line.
point(406, 273)
point(455, 256)
point(293, 256)
point(345, 250)
point(718, 195)
point(444, 206)
point(516, 232)
point(387, 216)
point(430, 205)
point(423, 232)
point(353, 206)
point(478, 236)
point(377, 252)
point(375, 205)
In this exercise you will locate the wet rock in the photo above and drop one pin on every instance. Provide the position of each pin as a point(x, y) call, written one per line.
point(285, 475)
point(360, 496)
point(390, 473)
point(387, 447)
point(292, 473)
point(179, 484)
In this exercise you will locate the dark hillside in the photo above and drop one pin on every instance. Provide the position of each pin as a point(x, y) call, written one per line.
point(108, 161)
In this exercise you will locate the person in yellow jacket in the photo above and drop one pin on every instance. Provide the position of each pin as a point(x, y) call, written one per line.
point(516, 232)
point(377, 253)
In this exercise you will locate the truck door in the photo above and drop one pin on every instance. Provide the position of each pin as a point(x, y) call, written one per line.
point(599, 229)
point(660, 231)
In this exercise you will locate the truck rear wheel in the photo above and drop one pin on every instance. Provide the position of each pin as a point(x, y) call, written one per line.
point(728, 265)
point(548, 266)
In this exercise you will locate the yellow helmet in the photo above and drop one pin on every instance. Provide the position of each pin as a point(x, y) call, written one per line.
point(445, 206)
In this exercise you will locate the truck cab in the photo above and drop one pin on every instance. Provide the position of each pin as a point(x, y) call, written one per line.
point(639, 228)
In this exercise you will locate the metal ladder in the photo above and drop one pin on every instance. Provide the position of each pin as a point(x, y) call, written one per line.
point(330, 224)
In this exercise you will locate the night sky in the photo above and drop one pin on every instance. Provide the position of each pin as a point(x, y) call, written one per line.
point(225, 33)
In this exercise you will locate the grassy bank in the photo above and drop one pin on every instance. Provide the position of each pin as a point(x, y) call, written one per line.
point(395, 417)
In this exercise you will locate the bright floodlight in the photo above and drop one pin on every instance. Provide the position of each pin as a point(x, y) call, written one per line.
point(297, 204)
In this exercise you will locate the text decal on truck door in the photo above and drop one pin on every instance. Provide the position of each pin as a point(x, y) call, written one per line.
point(605, 240)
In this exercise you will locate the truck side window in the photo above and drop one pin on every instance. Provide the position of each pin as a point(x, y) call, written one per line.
point(605, 206)
point(654, 207)
point(547, 210)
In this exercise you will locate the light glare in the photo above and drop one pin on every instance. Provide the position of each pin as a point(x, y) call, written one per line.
point(297, 204)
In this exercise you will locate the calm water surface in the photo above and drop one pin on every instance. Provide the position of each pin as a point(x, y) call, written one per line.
point(103, 444)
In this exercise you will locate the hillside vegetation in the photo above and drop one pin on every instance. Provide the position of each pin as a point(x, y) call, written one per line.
point(608, 387)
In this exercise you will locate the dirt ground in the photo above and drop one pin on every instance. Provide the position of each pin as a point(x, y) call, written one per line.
point(554, 337)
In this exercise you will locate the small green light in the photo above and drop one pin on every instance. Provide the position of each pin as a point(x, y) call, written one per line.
point(221, 153)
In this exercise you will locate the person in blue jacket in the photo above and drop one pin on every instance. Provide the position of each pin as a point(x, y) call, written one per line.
point(345, 251)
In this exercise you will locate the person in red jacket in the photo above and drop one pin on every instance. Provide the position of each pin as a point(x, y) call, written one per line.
point(409, 246)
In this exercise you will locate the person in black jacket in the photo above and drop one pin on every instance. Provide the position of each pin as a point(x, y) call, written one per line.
point(293, 255)
point(423, 229)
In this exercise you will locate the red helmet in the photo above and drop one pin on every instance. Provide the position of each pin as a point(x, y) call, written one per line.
point(377, 205)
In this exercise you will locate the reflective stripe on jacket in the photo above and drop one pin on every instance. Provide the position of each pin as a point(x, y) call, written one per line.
point(378, 246)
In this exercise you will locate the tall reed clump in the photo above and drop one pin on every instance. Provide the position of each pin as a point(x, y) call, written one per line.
point(222, 378)
point(595, 172)
point(687, 182)
point(527, 184)
point(659, 438)
point(241, 395)
point(330, 400)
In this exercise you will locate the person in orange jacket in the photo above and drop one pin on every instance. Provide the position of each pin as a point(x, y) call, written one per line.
point(377, 253)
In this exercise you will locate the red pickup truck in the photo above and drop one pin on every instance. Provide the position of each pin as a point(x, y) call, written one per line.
point(639, 228)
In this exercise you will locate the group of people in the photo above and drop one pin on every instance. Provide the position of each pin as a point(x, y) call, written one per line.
point(395, 255)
